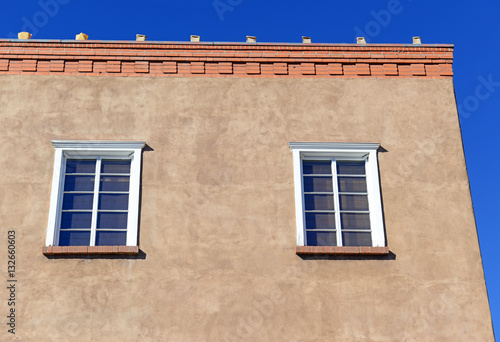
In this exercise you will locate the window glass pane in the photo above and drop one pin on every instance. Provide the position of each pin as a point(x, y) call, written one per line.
point(350, 168)
point(318, 184)
point(76, 220)
point(104, 238)
point(80, 166)
point(356, 239)
point(316, 167)
point(352, 184)
point(115, 183)
point(72, 238)
point(320, 221)
point(353, 202)
point(115, 166)
point(113, 201)
point(112, 220)
point(319, 202)
point(355, 221)
point(79, 183)
point(77, 201)
point(321, 239)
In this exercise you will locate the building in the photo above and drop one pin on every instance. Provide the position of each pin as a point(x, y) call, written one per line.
point(247, 191)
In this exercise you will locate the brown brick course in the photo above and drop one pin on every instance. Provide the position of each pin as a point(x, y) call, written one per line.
point(334, 250)
point(89, 250)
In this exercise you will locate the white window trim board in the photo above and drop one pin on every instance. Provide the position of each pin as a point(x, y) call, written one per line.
point(341, 151)
point(86, 149)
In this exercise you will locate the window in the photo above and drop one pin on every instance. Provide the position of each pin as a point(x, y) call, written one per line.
point(95, 194)
point(337, 195)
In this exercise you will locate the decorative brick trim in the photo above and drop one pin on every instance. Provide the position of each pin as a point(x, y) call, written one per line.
point(418, 69)
point(390, 69)
point(432, 70)
point(85, 66)
point(141, 67)
point(169, 67)
point(363, 69)
point(445, 70)
point(377, 70)
point(29, 65)
point(405, 70)
point(197, 67)
point(308, 68)
point(90, 250)
point(57, 66)
point(332, 250)
point(261, 60)
point(225, 67)
point(253, 68)
point(335, 69)
point(267, 70)
point(280, 68)
point(4, 65)
point(114, 66)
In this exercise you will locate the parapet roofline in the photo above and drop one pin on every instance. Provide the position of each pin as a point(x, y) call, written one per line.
point(149, 42)
point(213, 59)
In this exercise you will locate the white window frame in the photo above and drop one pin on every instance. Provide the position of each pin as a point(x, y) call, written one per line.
point(71, 149)
point(340, 151)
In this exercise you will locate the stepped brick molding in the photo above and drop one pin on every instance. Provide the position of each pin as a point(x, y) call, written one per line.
point(264, 60)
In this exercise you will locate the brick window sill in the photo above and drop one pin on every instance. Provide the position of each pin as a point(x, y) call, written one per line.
point(332, 250)
point(90, 250)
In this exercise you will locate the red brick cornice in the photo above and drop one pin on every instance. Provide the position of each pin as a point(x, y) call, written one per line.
point(265, 60)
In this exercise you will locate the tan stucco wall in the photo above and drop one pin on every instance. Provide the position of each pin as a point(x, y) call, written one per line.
point(217, 220)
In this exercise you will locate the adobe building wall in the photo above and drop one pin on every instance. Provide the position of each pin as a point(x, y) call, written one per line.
point(217, 217)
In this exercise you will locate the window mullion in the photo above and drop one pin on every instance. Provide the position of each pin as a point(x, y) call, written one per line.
point(60, 199)
point(336, 202)
point(95, 204)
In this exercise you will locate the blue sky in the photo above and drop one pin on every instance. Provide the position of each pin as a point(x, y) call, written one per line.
point(471, 26)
